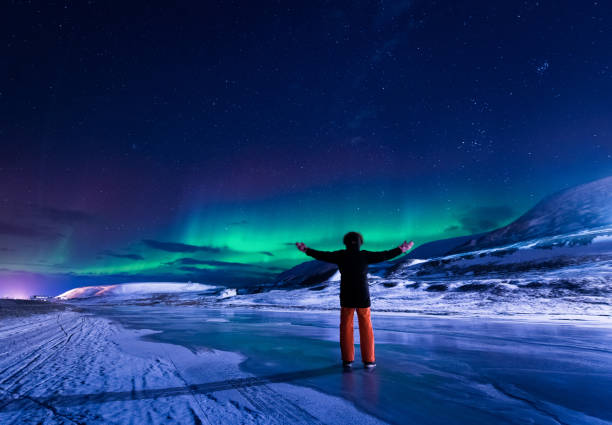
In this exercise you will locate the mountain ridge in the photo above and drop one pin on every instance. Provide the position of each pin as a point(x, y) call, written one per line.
point(582, 207)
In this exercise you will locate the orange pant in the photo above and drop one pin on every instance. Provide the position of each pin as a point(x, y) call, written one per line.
point(366, 335)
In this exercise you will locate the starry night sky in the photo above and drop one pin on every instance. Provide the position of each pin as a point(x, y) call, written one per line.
point(150, 141)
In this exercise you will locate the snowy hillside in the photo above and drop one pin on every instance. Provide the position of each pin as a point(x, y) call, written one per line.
point(584, 207)
point(132, 289)
point(436, 248)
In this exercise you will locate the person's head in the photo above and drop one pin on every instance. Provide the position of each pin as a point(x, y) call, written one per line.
point(353, 240)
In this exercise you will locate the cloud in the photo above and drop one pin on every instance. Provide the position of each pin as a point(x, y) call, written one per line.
point(177, 246)
point(217, 275)
point(238, 223)
point(187, 261)
point(34, 229)
point(267, 253)
point(59, 215)
point(192, 261)
point(452, 228)
point(37, 232)
point(191, 269)
point(481, 219)
point(109, 253)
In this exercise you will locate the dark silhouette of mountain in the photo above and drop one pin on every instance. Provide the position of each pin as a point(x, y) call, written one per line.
point(306, 274)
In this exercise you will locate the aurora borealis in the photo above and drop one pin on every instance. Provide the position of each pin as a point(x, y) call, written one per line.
point(200, 141)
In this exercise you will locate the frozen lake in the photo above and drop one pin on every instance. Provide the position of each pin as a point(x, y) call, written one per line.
point(430, 370)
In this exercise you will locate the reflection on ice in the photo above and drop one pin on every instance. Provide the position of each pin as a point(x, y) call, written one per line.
point(430, 370)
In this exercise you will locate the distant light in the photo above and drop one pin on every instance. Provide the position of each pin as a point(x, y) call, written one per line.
point(16, 296)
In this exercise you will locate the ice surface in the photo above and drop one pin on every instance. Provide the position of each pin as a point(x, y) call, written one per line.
point(430, 370)
point(76, 368)
point(206, 365)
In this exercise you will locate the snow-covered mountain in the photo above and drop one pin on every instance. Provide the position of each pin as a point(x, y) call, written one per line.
point(437, 248)
point(580, 208)
point(133, 289)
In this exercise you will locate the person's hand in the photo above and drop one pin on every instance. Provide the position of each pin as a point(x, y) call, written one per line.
point(406, 246)
point(301, 246)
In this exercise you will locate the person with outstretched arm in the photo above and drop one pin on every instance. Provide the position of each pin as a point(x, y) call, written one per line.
point(354, 292)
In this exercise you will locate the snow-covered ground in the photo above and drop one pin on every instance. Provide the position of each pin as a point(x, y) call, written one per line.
point(580, 291)
point(76, 368)
point(194, 365)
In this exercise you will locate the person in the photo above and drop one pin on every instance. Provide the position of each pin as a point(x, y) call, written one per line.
point(354, 292)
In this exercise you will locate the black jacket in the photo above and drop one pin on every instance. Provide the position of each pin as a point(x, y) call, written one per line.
point(353, 266)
